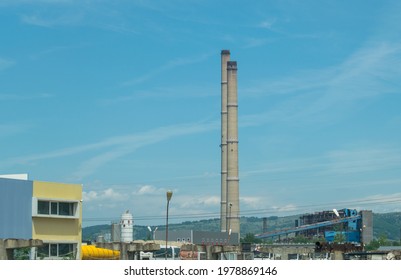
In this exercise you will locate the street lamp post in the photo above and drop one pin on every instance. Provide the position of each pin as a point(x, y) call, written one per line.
point(169, 194)
point(150, 232)
point(229, 222)
point(154, 233)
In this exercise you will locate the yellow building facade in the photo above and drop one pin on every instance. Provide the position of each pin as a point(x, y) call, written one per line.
point(57, 219)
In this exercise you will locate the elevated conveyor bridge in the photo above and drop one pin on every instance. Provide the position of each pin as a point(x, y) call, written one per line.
point(308, 227)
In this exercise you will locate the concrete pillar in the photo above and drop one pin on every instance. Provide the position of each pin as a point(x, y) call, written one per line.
point(366, 226)
point(337, 255)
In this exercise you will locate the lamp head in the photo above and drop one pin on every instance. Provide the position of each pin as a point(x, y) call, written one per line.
point(169, 195)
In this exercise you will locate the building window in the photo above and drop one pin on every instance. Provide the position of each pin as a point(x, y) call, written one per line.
point(42, 207)
point(56, 208)
point(65, 249)
point(66, 208)
point(53, 250)
point(61, 251)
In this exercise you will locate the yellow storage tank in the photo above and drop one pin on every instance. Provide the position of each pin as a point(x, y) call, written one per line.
point(91, 252)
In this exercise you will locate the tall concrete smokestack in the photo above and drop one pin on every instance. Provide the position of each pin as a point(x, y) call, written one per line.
point(225, 57)
point(233, 218)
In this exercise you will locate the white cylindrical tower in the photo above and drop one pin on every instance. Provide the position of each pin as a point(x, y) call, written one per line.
point(233, 211)
point(127, 227)
point(225, 57)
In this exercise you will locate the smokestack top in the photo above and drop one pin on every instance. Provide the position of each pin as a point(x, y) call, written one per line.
point(225, 52)
point(232, 65)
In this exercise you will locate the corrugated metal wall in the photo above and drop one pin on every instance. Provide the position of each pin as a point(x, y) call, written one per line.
point(15, 209)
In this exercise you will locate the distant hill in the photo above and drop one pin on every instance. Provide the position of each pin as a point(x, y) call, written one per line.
point(388, 225)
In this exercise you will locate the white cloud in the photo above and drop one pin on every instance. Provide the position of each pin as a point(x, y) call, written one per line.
point(286, 208)
point(109, 195)
point(252, 202)
point(149, 190)
point(210, 201)
point(197, 202)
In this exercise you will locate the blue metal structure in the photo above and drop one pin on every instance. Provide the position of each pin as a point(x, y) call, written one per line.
point(351, 220)
point(349, 236)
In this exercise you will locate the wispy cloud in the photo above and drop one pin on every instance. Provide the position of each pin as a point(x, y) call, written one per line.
point(107, 15)
point(178, 92)
point(178, 62)
point(334, 162)
point(253, 42)
point(125, 145)
point(267, 24)
point(363, 160)
point(380, 203)
point(6, 63)
point(22, 2)
point(48, 22)
point(24, 97)
point(371, 71)
point(113, 148)
point(57, 49)
point(7, 129)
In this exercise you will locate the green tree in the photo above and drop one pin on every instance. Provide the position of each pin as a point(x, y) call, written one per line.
point(22, 253)
point(301, 239)
point(339, 237)
point(376, 243)
point(250, 238)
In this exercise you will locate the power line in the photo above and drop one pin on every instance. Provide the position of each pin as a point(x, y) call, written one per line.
point(265, 211)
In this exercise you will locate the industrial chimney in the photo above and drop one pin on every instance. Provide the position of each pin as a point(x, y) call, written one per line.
point(225, 57)
point(230, 218)
point(232, 150)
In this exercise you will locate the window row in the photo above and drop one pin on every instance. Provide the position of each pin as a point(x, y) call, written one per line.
point(56, 208)
point(57, 251)
point(42, 207)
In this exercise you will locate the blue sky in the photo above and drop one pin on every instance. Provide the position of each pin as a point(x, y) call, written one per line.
point(124, 98)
